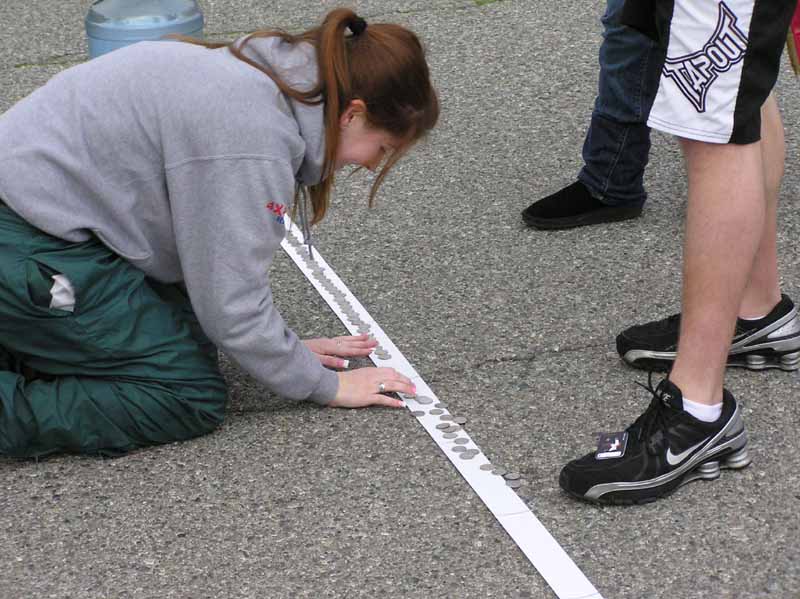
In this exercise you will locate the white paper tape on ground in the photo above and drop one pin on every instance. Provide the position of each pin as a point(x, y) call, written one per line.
point(538, 545)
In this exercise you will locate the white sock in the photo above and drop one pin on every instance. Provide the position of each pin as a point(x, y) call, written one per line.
point(703, 411)
point(756, 318)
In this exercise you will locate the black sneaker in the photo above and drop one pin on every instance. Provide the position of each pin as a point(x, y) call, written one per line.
point(574, 206)
point(665, 448)
point(771, 342)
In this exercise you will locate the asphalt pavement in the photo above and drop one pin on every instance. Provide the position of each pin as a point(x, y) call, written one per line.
point(513, 328)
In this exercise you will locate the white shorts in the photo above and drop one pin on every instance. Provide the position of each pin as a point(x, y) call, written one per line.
point(722, 61)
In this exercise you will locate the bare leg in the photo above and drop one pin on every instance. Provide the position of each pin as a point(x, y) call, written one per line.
point(725, 229)
point(763, 288)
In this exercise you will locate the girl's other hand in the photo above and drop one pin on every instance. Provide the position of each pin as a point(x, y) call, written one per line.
point(366, 386)
point(331, 351)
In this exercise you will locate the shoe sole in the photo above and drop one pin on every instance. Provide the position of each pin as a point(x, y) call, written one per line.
point(597, 217)
point(662, 361)
point(710, 470)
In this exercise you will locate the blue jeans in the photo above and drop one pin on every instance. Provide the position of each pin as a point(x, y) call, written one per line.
point(617, 144)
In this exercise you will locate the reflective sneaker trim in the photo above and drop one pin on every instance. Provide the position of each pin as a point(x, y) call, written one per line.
point(735, 426)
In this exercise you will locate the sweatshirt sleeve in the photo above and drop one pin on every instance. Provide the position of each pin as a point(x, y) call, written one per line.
point(226, 214)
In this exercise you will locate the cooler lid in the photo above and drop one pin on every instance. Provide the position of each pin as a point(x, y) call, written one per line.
point(142, 19)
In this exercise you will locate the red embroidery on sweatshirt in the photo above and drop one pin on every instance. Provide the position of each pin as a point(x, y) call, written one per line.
point(278, 209)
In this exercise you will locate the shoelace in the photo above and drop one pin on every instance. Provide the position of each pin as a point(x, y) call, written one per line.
point(657, 416)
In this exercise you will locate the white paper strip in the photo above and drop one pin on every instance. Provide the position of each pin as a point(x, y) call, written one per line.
point(538, 545)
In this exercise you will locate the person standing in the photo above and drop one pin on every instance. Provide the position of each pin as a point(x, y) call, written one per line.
point(610, 186)
point(714, 95)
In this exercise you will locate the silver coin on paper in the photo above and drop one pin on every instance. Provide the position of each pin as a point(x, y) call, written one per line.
point(486, 467)
point(442, 426)
point(459, 449)
point(512, 476)
point(435, 412)
point(466, 455)
point(446, 417)
point(418, 413)
point(460, 420)
point(514, 484)
point(461, 441)
point(424, 400)
point(450, 435)
point(499, 471)
point(440, 405)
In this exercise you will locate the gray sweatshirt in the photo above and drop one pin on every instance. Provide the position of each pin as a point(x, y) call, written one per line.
point(180, 159)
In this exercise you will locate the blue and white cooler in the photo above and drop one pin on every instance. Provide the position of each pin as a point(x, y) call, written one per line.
point(112, 24)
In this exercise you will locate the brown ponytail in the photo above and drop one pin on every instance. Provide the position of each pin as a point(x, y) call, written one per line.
point(381, 64)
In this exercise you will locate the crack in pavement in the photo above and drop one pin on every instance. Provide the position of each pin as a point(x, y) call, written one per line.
point(434, 377)
point(73, 58)
point(528, 357)
point(414, 11)
point(69, 59)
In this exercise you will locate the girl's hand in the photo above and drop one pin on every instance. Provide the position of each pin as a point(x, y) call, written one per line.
point(365, 387)
point(331, 351)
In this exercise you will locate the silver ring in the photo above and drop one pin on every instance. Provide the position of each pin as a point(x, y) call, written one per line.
point(381, 388)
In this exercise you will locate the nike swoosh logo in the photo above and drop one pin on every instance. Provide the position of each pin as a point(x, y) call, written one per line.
point(675, 459)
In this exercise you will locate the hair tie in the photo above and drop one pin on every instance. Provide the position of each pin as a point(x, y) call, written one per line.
point(357, 26)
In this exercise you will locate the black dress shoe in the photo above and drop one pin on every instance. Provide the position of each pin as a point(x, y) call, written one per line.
point(574, 206)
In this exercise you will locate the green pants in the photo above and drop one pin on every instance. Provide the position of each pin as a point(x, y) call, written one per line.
point(129, 367)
